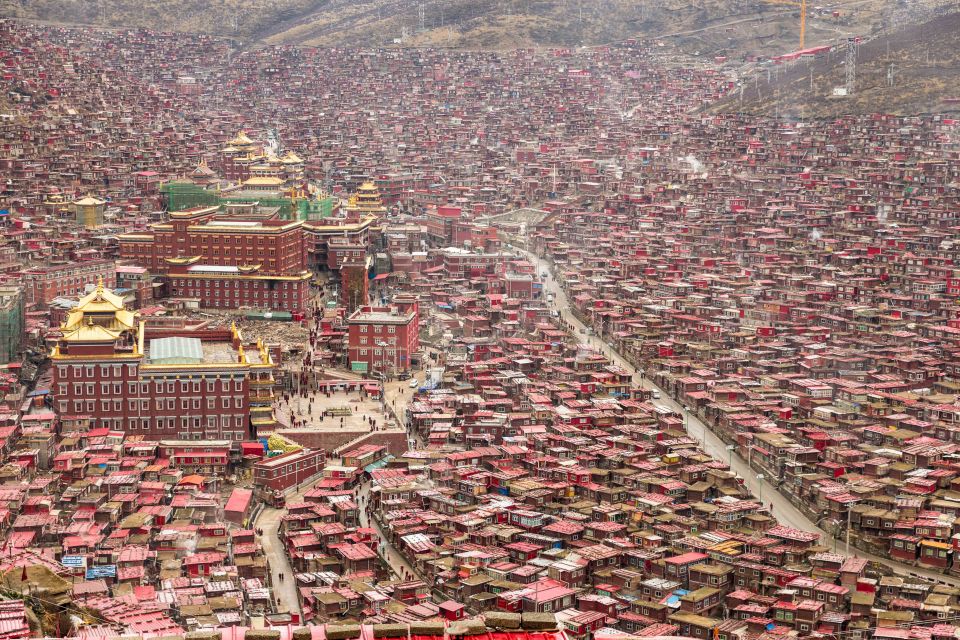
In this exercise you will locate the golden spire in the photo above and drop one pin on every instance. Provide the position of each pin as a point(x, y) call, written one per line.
point(100, 288)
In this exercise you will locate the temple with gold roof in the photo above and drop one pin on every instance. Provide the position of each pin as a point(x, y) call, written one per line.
point(366, 201)
point(239, 155)
point(273, 184)
point(160, 382)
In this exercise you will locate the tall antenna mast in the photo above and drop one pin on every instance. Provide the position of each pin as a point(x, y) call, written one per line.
point(421, 10)
point(851, 65)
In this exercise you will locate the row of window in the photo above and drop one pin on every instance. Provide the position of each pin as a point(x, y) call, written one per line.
point(170, 404)
point(238, 252)
point(190, 291)
point(390, 328)
point(363, 340)
point(199, 435)
point(293, 467)
point(89, 371)
point(144, 387)
point(170, 423)
point(116, 388)
point(256, 284)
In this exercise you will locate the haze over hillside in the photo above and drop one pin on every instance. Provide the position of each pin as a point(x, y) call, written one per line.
point(705, 27)
point(910, 71)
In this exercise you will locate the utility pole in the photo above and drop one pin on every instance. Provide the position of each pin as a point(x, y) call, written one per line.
point(421, 10)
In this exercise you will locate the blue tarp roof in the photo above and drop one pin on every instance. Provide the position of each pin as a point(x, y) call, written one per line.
point(102, 571)
point(379, 464)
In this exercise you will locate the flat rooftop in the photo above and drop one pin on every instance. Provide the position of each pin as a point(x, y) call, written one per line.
point(187, 350)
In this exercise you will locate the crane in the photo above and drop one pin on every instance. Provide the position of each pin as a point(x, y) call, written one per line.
point(803, 17)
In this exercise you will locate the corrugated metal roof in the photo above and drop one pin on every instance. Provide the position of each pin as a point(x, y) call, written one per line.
point(176, 350)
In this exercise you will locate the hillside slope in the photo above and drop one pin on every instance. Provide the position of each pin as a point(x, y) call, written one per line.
point(706, 27)
point(910, 71)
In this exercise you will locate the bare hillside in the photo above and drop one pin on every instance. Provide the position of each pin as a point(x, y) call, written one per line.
point(909, 71)
point(706, 27)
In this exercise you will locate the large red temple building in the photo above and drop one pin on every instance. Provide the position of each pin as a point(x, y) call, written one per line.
point(384, 339)
point(226, 261)
point(156, 382)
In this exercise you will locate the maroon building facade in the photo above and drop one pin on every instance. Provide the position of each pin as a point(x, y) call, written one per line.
point(384, 339)
point(282, 472)
point(161, 385)
point(227, 262)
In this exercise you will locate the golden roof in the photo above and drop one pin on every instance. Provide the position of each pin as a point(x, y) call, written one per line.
point(91, 333)
point(203, 168)
point(100, 298)
point(263, 181)
point(292, 158)
point(88, 201)
point(182, 260)
point(100, 301)
point(241, 139)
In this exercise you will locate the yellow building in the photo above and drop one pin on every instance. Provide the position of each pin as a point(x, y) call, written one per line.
point(89, 211)
point(366, 201)
point(160, 383)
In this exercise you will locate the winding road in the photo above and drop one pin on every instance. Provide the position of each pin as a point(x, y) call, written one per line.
point(396, 392)
point(781, 507)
